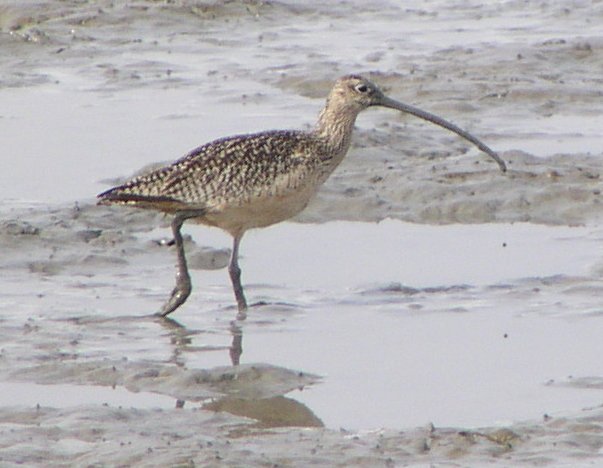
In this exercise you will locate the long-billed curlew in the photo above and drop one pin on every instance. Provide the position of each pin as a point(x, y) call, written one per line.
point(250, 181)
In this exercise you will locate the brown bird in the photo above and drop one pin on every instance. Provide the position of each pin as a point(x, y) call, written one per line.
point(251, 181)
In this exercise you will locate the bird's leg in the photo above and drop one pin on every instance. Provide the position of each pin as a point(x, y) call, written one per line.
point(183, 280)
point(235, 276)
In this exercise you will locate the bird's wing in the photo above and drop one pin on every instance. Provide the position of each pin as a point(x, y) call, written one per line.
point(228, 171)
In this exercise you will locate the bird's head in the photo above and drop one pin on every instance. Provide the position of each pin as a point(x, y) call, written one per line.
point(355, 93)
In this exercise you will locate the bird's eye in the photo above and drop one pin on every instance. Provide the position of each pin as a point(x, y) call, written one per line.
point(361, 88)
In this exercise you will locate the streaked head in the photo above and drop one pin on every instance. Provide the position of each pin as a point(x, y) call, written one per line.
point(356, 90)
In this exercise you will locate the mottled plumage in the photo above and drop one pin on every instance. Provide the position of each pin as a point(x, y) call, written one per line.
point(249, 181)
point(233, 173)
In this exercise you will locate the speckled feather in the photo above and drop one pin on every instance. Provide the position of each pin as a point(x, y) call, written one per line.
point(260, 178)
point(230, 172)
point(249, 181)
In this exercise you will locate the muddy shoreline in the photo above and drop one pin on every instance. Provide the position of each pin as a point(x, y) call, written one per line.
point(467, 338)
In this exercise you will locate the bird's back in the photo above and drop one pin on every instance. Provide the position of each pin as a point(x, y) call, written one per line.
point(231, 173)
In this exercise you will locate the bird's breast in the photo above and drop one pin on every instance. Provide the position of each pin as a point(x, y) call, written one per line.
point(258, 211)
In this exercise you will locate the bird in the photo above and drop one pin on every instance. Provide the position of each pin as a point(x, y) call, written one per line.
point(250, 181)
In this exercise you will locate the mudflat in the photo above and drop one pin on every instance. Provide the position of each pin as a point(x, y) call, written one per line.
point(424, 309)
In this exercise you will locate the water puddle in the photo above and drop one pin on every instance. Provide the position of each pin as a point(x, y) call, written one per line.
point(59, 395)
point(457, 325)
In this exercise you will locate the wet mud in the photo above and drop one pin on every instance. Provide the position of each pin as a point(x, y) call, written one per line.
point(424, 309)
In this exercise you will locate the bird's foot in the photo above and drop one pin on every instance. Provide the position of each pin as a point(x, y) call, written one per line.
point(179, 295)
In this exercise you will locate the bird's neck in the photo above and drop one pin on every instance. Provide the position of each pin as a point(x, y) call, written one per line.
point(335, 125)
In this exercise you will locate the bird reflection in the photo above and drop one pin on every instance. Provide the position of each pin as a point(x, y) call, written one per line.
point(181, 340)
point(236, 347)
point(278, 411)
point(274, 411)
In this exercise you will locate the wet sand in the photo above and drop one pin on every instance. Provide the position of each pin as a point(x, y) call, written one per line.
point(425, 309)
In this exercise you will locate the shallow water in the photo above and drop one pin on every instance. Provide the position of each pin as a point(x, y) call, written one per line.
point(472, 304)
point(489, 315)
point(66, 396)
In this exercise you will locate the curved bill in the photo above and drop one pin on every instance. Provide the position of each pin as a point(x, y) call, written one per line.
point(392, 104)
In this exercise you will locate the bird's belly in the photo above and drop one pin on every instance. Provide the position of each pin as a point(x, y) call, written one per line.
point(258, 212)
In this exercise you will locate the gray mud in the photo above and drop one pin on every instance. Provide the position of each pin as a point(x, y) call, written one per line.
point(457, 343)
